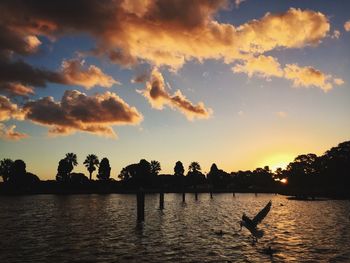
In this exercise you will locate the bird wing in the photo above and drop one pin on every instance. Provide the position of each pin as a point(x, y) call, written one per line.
point(262, 214)
point(246, 219)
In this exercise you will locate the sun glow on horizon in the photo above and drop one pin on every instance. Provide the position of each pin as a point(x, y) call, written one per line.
point(278, 161)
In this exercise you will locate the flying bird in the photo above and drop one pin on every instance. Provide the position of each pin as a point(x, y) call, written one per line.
point(251, 224)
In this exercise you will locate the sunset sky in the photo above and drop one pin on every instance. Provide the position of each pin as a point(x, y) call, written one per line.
point(242, 83)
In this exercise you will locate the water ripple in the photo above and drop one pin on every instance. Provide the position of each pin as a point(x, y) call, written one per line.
point(103, 228)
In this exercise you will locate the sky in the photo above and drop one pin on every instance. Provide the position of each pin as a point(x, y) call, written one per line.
point(242, 84)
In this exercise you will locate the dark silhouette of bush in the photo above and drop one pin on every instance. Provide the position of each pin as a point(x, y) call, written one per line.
point(78, 179)
point(31, 178)
point(104, 170)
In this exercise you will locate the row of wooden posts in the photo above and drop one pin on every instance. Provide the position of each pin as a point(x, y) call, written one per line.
point(140, 200)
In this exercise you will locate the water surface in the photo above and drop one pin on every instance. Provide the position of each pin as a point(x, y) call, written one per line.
point(103, 228)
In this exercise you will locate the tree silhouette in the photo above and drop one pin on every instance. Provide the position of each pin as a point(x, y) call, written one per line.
point(5, 169)
point(194, 168)
point(155, 167)
point(71, 158)
point(143, 169)
point(104, 170)
point(303, 170)
point(90, 163)
point(128, 172)
point(179, 169)
point(63, 170)
point(137, 174)
point(214, 175)
point(17, 171)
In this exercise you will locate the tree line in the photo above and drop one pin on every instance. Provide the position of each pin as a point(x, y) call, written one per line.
point(308, 174)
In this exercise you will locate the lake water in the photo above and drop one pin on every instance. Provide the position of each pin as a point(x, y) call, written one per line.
point(103, 228)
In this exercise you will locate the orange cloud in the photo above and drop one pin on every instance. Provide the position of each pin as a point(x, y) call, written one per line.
point(17, 76)
point(263, 66)
point(74, 73)
point(338, 81)
point(169, 32)
point(162, 32)
point(16, 89)
point(267, 66)
point(9, 110)
point(9, 133)
point(309, 76)
point(78, 112)
point(347, 25)
point(158, 97)
point(172, 44)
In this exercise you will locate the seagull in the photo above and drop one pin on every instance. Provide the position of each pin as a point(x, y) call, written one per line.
point(251, 224)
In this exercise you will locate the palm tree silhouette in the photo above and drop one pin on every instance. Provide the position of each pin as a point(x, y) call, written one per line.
point(194, 167)
point(90, 163)
point(71, 158)
point(155, 167)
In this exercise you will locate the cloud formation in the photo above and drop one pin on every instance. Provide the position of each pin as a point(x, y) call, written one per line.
point(309, 76)
point(159, 32)
point(16, 89)
point(78, 112)
point(347, 26)
point(165, 32)
point(9, 133)
point(16, 77)
point(267, 67)
point(263, 66)
point(74, 73)
point(156, 94)
point(9, 110)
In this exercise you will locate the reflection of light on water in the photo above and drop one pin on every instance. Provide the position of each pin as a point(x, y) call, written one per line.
point(300, 231)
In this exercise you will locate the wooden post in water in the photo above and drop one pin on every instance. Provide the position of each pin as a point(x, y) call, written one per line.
point(184, 197)
point(140, 206)
point(161, 200)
